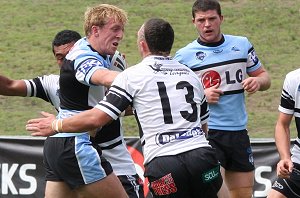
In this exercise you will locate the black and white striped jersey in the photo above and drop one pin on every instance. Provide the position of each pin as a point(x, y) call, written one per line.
point(169, 103)
point(45, 87)
point(290, 104)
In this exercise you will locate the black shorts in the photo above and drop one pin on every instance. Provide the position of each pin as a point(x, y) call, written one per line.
point(133, 185)
point(192, 174)
point(233, 149)
point(74, 160)
point(289, 187)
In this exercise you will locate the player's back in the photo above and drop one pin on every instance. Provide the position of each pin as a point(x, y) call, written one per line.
point(170, 106)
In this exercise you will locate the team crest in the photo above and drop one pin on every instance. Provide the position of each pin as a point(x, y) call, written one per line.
point(200, 55)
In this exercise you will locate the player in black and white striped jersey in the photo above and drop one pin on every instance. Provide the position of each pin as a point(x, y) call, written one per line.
point(288, 168)
point(111, 139)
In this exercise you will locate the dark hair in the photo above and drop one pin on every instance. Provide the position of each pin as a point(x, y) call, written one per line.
point(205, 5)
point(64, 37)
point(159, 36)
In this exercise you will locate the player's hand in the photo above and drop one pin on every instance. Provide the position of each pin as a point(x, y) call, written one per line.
point(284, 168)
point(213, 94)
point(41, 126)
point(251, 84)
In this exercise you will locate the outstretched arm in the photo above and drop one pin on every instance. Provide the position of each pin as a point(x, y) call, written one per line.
point(84, 121)
point(9, 87)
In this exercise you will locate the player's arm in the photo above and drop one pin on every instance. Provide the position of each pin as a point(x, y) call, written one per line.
point(282, 139)
point(103, 77)
point(258, 80)
point(9, 87)
point(84, 121)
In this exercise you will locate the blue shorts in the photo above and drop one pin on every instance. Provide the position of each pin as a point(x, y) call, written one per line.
point(233, 149)
point(75, 160)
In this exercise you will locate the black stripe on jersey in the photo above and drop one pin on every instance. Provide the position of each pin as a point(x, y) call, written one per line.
point(108, 132)
point(204, 111)
point(119, 65)
point(287, 100)
point(297, 120)
point(250, 50)
point(297, 143)
point(141, 133)
point(111, 146)
point(240, 60)
point(122, 90)
point(40, 91)
point(119, 98)
point(233, 92)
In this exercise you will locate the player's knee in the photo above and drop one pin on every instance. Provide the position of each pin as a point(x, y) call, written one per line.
point(245, 192)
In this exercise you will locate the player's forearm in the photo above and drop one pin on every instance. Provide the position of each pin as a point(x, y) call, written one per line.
point(10, 87)
point(282, 138)
point(265, 81)
point(104, 77)
point(84, 121)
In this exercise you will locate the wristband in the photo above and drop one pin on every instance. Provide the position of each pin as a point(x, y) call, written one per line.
point(56, 125)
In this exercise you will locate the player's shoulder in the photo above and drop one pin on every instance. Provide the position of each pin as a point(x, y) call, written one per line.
point(293, 75)
point(235, 38)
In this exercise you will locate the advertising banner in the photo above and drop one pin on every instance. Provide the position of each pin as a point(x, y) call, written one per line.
point(22, 172)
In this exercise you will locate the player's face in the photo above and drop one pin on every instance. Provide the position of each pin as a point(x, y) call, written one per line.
point(109, 37)
point(61, 51)
point(208, 25)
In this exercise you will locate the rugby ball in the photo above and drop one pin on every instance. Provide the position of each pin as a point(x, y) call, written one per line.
point(117, 62)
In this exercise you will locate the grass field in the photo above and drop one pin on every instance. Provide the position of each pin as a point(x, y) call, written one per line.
point(27, 28)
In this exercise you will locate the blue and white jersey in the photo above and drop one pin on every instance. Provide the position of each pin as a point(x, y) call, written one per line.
point(77, 93)
point(226, 62)
point(169, 105)
point(290, 104)
point(45, 87)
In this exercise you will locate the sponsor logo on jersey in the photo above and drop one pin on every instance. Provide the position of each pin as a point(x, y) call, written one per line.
point(200, 55)
point(217, 51)
point(88, 64)
point(210, 78)
point(158, 68)
point(168, 137)
point(254, 58)
point(234, 48)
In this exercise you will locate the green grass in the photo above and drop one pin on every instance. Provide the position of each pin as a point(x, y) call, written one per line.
point(27, 28)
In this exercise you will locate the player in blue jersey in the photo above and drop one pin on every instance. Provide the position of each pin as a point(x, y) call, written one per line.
point(110, 139)
point(74, 158)
point(287, 184)
point(171, 109)
point(227, 66)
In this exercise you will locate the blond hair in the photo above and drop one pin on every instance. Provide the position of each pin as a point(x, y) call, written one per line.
point(100, 15)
